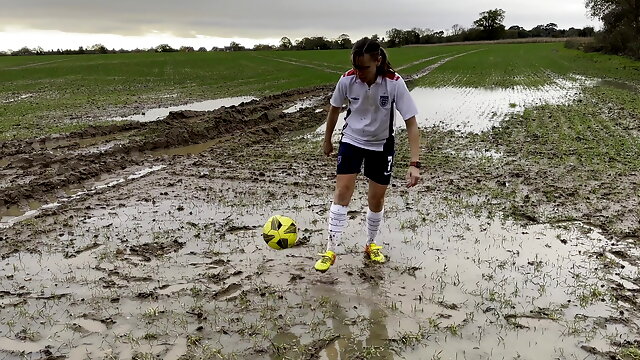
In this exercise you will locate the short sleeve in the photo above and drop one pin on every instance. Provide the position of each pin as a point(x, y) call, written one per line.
point(404, 102)
point(339, 96)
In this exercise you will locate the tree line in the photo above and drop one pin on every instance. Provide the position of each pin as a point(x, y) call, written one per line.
point(621, 26)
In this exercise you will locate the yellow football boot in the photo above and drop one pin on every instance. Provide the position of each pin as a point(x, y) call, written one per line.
point(326, 260)
point(373, 252)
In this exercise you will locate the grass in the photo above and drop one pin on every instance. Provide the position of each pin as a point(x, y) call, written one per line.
point(52, 94)
point(506, 65)
point(41, 95)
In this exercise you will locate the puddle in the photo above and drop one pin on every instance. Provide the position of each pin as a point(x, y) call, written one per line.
point(478, 109)
point(303, 104)
point(174, 288)
point(457, 284)
point(91, 325)
point(14, 214)
point(18, 98)
point(616, 84)
point(186, 150)
point(478, 154)
point(16, 346)
point(176, 352)
point(160, 113)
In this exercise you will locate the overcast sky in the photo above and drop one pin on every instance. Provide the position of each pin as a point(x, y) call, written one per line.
point(144, 23)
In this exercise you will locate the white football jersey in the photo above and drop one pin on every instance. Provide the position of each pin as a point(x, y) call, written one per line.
point(369, 120)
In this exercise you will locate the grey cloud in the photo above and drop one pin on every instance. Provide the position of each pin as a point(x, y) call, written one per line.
point(272, 19)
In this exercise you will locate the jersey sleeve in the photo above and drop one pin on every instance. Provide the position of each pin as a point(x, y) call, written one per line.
point(339, 96)
point(404, 102)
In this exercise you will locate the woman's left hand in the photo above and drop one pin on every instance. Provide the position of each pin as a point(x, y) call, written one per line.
point(413, 176)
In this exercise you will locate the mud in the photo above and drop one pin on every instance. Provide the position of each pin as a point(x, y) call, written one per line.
point(35, 169)
point(170, 263)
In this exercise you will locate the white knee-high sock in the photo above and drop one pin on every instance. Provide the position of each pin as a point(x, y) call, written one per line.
point(337, 224)
point(374, 219)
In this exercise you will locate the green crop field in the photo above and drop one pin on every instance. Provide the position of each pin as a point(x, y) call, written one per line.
point(40, 95)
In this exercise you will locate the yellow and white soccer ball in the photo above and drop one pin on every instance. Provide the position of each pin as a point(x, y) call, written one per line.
point(280, 232)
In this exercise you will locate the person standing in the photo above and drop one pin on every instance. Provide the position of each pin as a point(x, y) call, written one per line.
point(372, 90)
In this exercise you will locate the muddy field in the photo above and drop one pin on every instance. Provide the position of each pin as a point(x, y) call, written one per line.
point(142, 241)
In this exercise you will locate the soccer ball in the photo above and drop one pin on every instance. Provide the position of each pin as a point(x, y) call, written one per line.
point(280, 232)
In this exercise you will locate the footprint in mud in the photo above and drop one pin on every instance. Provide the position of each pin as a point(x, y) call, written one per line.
point(156, 249)
point(228, 292)
point(371, 273)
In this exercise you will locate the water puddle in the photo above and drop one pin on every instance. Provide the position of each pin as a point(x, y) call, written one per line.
point(478, 154)
point(18, 347)
point(208, 105)
point(186, 150)
point(15, 214)
point(17, 98)
point(479, 109)
point(170, 289)
point(616, 85)
point(91, 325)
point(457, 284)
point(303, 104)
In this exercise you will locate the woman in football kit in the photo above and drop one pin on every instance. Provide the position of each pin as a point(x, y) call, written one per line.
point(372, 90)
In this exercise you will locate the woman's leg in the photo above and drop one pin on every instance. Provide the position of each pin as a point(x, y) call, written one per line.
point(375, 212)
point(345, 185)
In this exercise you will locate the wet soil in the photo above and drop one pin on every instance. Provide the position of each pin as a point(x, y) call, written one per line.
point(171, 264)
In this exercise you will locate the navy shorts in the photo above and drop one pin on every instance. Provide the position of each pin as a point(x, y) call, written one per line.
point(378, 165)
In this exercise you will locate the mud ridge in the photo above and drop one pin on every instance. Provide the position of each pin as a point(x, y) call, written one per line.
point(31, 173)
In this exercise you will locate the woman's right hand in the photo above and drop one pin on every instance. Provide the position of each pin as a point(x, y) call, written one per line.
point(327, 147)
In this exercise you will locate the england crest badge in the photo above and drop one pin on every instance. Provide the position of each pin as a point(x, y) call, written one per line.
point(384, 100)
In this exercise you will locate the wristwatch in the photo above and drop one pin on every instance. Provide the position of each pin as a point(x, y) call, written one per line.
point(415, 164)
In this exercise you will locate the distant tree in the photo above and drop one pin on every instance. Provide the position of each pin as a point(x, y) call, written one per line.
point(516, 31)
point(187, 49)
point(397, 37)
point(344, 42)
point(23, 51)
point(587, 31)
point(164, 48)
point(457, 29)
point(538, 31)
point(490, 22)
point(621, 25)
point(573, 32)
point(235, 46)
point(394, 37)
point(98, 48)
point(422, 32)
point(285, 43)
point(261, 47)
point(313, 43)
